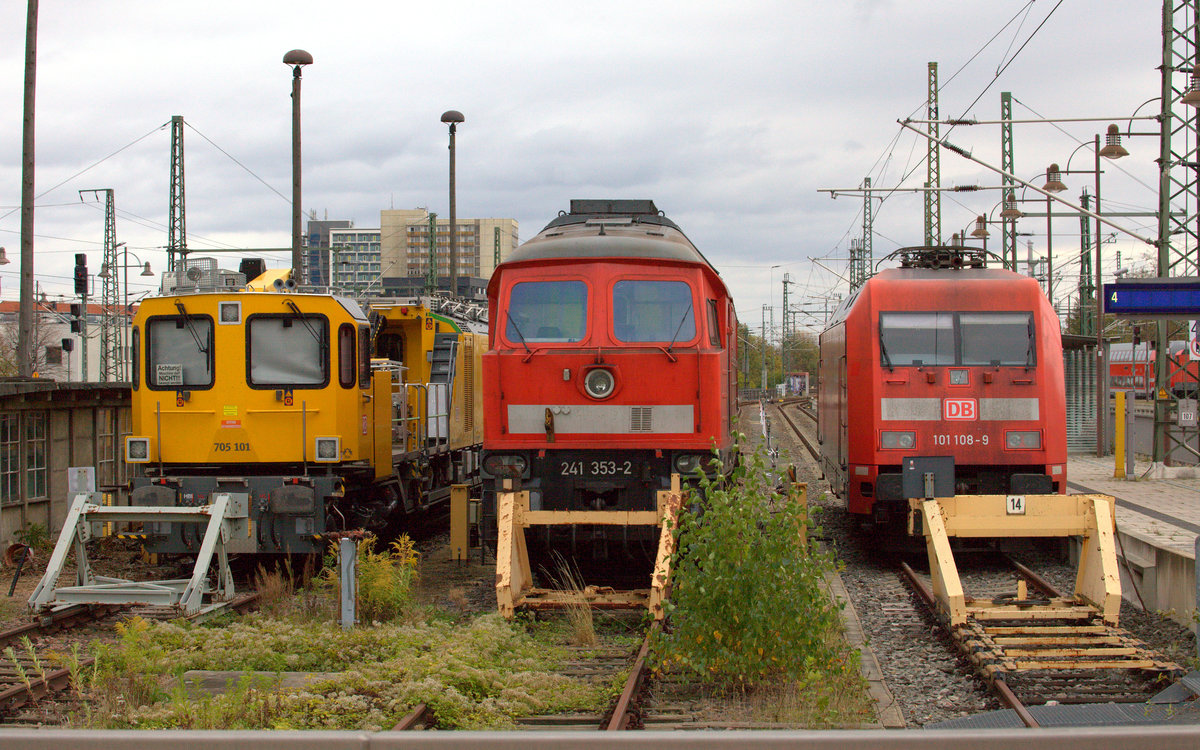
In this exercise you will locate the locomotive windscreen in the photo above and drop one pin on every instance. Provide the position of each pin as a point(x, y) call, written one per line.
point(179, 352)
point(647, 310)
point(956, 338)
point(541, 311)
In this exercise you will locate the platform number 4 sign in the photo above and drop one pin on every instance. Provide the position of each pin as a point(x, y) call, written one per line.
point(1194, 340)
point(1016, 505)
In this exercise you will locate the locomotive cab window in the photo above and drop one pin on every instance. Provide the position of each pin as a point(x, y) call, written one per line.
point(347, 364)
point(287, 350)
point(179, 352)
point(546, 312)
point(714, 328)
point(658, 311)
point(916, 339)
point(923, 339)
point(997, 338)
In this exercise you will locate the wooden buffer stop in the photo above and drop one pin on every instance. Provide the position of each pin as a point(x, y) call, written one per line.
point(514, 579)
point(1018, 633)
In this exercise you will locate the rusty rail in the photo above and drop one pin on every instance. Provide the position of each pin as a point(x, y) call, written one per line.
point(812, 450)
point(622, 715)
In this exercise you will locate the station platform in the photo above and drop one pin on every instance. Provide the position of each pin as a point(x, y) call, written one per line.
point(1158, 521)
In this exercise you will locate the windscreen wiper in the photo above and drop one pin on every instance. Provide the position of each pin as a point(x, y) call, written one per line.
point(187, 321)
point(517, 328)
point(1029, 349)
point(299, 315)
point(679, 327)
point(887, 361)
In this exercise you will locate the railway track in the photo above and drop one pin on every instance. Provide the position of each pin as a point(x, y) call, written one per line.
point(600, 663)
point(1061, 659)
point(899, 619)
point(31, 651)
point(806, 410)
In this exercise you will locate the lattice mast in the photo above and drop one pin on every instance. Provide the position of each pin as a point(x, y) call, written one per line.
point(110, 342)
point(866, 254)
point(176, 230)
point(1008, 226)
point(431, 274)
point(1087, 302)
point(933, 199)
point(1177, 188)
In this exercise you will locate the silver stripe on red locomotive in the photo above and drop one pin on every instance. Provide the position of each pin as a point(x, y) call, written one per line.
point(930, 409)
point(602, 419)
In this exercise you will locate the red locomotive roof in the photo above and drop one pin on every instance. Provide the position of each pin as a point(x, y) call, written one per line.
point(591, 232)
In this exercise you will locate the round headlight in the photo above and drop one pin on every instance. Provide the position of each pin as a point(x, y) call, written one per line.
point(599, 383)
point(687, 463)
point(504, 465)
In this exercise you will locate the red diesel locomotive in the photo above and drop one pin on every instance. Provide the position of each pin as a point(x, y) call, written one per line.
point(611, 365)
point(942, 357)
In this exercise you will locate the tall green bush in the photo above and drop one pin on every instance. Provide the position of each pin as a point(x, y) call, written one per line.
point(747, 601)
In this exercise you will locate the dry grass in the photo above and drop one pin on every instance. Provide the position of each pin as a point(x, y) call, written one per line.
point(276, 588)
point(579, 613)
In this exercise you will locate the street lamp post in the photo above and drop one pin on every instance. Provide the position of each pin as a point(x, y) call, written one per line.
point(452, 117)
point(127, 319)
point(297, 58)
point(1112, 150)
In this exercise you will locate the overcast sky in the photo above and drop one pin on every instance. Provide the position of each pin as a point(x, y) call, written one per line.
point(731, 116)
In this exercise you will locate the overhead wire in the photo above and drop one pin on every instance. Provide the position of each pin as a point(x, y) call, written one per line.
point(89, 168)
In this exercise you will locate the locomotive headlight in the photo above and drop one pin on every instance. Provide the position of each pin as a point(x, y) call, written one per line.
point(894, 440)
point(327, 449)
point(1023, 439)
point(599, 383)
point(137, 450)
point(688, 463)
point(505, 465)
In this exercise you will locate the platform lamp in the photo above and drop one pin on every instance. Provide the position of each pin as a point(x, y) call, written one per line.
point(296, 58)
point(452, 117)
point(1111, 150)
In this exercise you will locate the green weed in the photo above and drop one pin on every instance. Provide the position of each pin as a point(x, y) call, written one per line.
point(747, 602)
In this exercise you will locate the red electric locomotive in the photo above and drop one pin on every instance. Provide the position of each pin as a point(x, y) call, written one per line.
point(612, 348)
point(942, 357)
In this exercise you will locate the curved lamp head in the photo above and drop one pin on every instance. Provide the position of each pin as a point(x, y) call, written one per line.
point(980, 229)
point(297, 58)
point(452, 117)
point(1192, 96)
point(1054, 183)
point(1010, 210)
point(1112, 144)
point(146, 271)
point(3, 257)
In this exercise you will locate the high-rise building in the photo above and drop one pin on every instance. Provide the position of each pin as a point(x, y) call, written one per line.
point(394, 259)
point(353, 260)
point(316, 253)
point(405, 249)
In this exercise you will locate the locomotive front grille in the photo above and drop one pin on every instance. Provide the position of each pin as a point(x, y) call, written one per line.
point(640, 419)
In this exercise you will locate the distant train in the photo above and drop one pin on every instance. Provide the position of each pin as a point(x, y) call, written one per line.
point(1132, 368)
point(611, 365)
point(326, 416)
point(942, 357)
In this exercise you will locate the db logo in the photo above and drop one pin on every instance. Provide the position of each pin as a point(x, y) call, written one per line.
point(960, 408)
